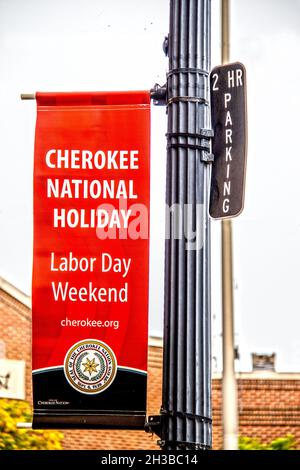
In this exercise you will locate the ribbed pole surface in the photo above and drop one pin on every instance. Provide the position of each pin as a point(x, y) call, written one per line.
point(186, 408)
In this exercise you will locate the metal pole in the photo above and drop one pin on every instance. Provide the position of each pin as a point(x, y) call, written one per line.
point(230, 399)
point(186, 408)
point(225, 53)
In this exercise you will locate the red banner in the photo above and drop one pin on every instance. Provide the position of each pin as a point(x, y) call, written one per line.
point(90, 269)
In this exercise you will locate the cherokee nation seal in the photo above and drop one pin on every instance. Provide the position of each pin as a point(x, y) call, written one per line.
point(90, 366)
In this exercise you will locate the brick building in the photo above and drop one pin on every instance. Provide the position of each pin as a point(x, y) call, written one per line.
point(269, 402)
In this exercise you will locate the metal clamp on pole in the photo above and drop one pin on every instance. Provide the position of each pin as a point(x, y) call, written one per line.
point(204, 135)
point(159, 95)
point(154, 425)
point(183, 445)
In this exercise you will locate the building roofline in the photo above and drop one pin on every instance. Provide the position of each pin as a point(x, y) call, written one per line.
point(155, 341)
point(262, 375)
point(14, 292)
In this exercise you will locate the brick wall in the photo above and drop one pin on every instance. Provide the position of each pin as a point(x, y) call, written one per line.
point(269, 407)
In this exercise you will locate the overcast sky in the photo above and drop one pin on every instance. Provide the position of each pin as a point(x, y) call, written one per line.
point(99, 45)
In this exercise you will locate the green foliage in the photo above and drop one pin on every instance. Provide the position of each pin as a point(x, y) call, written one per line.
point(284, 443)
point(11, 438)
point(287, 442)
point(249, 443)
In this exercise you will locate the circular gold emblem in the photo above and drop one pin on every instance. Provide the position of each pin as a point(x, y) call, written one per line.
point(90, 366)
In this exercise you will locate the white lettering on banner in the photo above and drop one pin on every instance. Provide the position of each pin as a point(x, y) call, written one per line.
point(94, 218)
point(71, 263)
point(87, 160)
point(67, 322)
point(104, 217)
point(118, 265)
point(62, 291)
point(76, 188)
